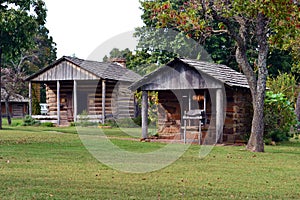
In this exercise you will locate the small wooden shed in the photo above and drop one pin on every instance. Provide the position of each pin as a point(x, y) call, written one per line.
point(183, 84)
point(17, 105)
point(75, 85)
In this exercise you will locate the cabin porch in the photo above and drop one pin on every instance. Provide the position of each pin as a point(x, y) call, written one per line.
point(97, 100)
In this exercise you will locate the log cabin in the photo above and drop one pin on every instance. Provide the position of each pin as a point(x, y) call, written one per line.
point(17, 105)
point(75, 86)
point(184, 85)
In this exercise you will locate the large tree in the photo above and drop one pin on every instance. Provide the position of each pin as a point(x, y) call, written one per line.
point(12, 80)
point(20, 20)
point(254, 26)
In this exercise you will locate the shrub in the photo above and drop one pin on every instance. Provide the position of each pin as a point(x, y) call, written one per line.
point(279, 117)
point(112, 123)
point(286, 84)
point(29, 121)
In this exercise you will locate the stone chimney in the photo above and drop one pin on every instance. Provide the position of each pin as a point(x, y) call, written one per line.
point(119, 61)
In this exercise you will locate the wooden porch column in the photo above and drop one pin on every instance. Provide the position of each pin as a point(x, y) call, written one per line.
point(30, 98)
point(75, 100)
point(190, 100)
point(204, 106)
point(58, 101)
point(103, 101)
point(205, 101)
point(144, 114)
point(219, 116)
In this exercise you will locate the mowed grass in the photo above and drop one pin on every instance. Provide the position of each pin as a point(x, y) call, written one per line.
point(37, 163)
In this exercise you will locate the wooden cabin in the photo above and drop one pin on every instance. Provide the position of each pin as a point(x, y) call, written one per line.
point(184, 85)
point(75, 86)
point(17, 105)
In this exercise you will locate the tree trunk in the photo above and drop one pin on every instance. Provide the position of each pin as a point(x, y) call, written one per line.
point(0, 87)
point(297, 110)
point(256, 140)
point(7, 111)
point(257, 82)
point(257, 88)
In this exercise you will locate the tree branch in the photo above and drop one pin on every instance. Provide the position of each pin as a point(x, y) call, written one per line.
point(219, 31)
point(239, 35)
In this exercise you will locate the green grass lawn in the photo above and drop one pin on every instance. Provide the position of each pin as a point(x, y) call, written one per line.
point(52, 163)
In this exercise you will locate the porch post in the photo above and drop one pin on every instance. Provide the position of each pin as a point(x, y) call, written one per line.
point(75, 100)
point(219, 116)
point(58, 101)
point(144, 114)
point(205, 101)
point(190, 104)
point(103, 101)
point(190, 100)
point(30, 98)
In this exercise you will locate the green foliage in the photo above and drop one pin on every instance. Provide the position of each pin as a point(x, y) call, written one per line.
point(190, 19)
point(152, 106)
point(280, 62)
point(47, 124)
point(142, 61)
point(12, 42)
point(72, 124)
point(166, 43)
point(42, 54)
point(23, 36)
point(29, 121)
point(112, 123)
point(254, 26)
point(286, 84)
point(117, 53)
point(36, 108)
point(279, 117)
point(28, 17)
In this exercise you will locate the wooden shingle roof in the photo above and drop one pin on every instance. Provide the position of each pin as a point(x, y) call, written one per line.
point(104, 70)
point(13, 98)
point(218, 72)
point(101, 70)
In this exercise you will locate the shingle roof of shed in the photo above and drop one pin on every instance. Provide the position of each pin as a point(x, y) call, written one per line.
point(13, 98)
point(220, 72)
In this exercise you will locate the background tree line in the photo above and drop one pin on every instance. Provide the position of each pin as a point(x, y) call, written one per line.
point(25, 46)
point(257, 38)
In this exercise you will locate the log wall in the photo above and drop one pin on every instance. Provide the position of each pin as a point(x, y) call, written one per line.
point(124, 101)
point(237, 121)
point(119, 101)
point(16, 109)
